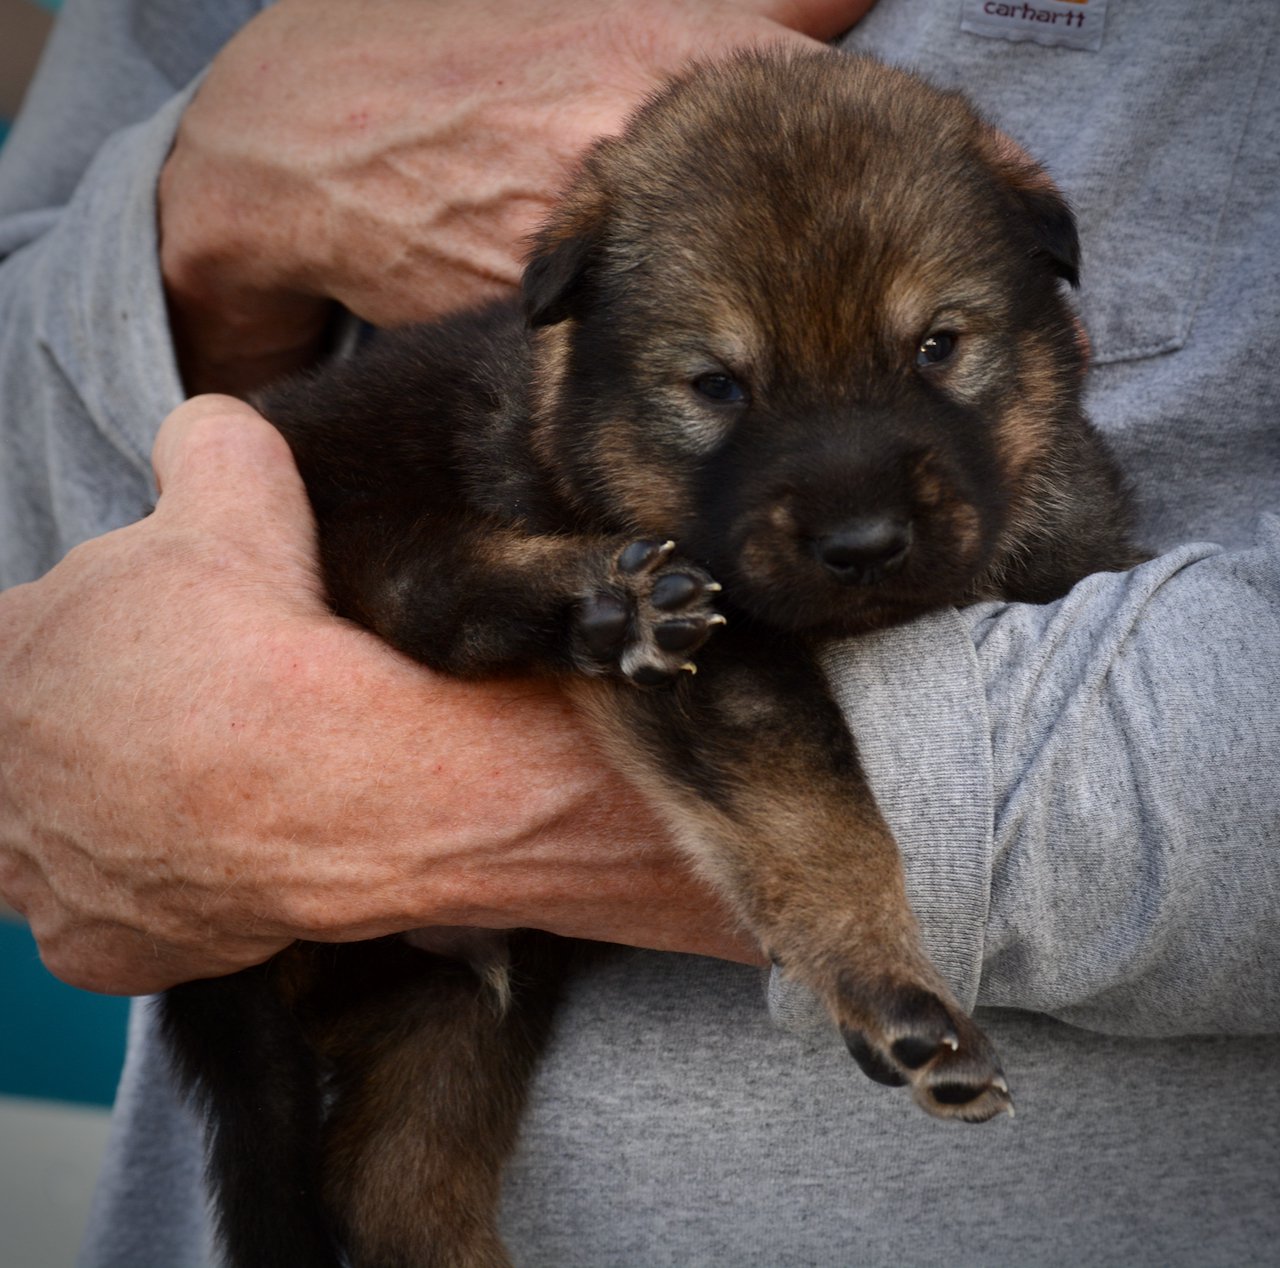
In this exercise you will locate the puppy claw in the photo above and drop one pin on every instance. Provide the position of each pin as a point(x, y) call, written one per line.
point(970, 1103)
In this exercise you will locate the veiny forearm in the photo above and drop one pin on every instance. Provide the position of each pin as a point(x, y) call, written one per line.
point(397, 165)
point(198, 763)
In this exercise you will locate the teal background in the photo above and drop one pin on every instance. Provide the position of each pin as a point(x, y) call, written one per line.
point(56, 1042)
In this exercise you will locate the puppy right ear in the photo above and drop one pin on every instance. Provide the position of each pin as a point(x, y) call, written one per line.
point(553, 278)
point(564, 251)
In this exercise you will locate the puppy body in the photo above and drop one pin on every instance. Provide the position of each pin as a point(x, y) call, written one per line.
point(803, 320)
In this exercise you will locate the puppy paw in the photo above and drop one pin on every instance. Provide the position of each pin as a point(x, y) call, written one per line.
point(907, 1034)
point(649, 615)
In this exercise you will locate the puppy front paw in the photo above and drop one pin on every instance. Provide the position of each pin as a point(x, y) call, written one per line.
point(649, 615)
point(906, 1033)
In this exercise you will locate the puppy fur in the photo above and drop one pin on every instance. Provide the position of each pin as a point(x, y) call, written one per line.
point(805, 320)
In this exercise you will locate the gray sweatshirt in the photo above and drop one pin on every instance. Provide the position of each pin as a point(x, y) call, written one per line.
point(1086, 792)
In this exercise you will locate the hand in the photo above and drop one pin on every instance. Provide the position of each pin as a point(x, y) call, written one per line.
point(396, 161)
point(199, 763)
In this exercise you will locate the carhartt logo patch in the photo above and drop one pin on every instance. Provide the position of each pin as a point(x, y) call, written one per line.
point(1067, 23)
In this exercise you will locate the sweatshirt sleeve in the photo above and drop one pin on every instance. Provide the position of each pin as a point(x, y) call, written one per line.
point(1087, 793)
point(85, 353)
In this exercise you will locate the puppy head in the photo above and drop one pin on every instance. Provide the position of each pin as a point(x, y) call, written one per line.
point(805, 316)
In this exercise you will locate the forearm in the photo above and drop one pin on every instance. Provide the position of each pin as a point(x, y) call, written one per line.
point(1140, 791)
point(1085, 792)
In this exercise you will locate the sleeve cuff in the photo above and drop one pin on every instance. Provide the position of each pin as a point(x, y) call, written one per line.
point(915, 701)
point(104, 320)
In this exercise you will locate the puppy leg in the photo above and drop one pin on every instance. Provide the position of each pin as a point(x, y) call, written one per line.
point(245, 1062)
point(475, 597)
point(760, 780)
point(427, 1072)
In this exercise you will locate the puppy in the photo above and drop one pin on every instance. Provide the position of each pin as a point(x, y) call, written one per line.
point(793, 363)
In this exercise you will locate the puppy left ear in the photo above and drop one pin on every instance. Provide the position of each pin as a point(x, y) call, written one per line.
point(564, 250)
point(1047, 214)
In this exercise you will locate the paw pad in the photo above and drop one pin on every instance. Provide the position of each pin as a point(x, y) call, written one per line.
point(900, 1033)
point(649, 615)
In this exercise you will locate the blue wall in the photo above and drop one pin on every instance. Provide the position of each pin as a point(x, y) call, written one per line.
point(55, 1042)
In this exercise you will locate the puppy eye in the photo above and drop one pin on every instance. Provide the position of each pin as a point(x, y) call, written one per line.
point(721, 388)
point(936, 348)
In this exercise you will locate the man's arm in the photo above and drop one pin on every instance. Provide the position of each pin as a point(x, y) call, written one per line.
point(1086, 792)
point(397, 163)
point(197, 762)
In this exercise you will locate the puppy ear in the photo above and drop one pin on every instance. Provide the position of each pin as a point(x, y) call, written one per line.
point(1054, 227)
point(1040, 201)
point(553, 277)
point(563, 253)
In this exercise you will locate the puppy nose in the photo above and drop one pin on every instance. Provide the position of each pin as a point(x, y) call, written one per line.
point(866, 549)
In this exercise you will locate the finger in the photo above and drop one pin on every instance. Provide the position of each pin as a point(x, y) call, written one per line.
point(821, 19)
point(92, 960)
point(112, 959)
point(209, 438)
point(105, 971)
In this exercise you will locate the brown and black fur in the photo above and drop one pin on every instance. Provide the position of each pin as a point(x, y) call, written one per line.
point(805, 320)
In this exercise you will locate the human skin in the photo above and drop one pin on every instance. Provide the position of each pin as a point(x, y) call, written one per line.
point(398, 168)
point(198, 762)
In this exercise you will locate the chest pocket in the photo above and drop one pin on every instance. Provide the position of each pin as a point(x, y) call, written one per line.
point(1142, 135)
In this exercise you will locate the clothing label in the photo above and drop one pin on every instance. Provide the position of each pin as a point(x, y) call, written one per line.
point(1066, 23)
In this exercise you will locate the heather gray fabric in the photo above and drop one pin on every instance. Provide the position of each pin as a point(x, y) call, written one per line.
point(1086, 793)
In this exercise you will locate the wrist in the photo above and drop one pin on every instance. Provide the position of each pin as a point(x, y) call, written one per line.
point(238, 315)
point(236, 349)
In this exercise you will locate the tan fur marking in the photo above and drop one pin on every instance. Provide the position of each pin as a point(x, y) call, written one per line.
point(654, 501)
point(1024, 428)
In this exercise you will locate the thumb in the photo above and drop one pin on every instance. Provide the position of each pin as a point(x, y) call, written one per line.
point(227, 474)
point(210, 437)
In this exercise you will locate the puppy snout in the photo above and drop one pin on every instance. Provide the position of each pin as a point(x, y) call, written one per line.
point(864, 550)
